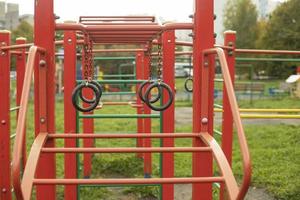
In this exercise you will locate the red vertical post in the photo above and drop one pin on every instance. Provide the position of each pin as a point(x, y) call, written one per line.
point(44, 34)
point(227, 123)
point(70, 113)
point(88, 127)
point(202, 94)
point(139, 64)
point(147, 124)
point(5, 183)
point(168, 46)
point(20, 69)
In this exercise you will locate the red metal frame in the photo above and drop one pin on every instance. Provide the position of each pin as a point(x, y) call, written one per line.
point(139, 64)
point(147, 123)
point(88, 127)
point(202, 94)
point(168, 125)
point(41, 160)
point(227, 123)
point(20, 69)
point(5, 182)
point(70, 113)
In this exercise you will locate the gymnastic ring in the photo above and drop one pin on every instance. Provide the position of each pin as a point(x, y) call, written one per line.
point(142, 96)
point(160, 86)
point(89, 101)
point(189, 79)
point(79, 88)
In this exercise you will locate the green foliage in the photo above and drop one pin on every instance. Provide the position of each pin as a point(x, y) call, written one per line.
point(282, 31)
point(241, 16)
point(23, 30)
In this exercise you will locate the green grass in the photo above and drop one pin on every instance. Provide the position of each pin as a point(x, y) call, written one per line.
point(275, 152)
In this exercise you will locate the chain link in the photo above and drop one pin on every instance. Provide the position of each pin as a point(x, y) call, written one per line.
point(88, 70)
point(150, 62)
point(159, 62)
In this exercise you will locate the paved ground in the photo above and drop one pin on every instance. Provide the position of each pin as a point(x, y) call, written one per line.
point(184, 117)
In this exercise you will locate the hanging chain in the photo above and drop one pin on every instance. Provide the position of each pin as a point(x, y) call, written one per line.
point(88, 70)
point(159, 62)
point(150, 63)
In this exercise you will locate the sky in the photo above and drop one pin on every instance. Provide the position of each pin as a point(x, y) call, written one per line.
point(71, 9)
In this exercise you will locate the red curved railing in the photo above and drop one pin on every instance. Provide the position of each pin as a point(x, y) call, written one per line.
point(21, 124)
point(237, 120)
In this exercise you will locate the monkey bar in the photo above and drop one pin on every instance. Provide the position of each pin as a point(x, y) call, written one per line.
point(40, 169)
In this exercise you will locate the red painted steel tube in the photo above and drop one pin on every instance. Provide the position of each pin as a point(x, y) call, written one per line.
point(128, 181)
point(264, 51)
point(69, 111)
point(184, 43)
point(21, 124)
point(237, 120)
point(124, 33)
point(5, 182)
point(147, 121)
point(88, 126)
point(85, 28)
point(117, 50)
point(127, 150)
point(139, 65)
point(227, 123)
point(114, 135)
point(44, 34)
point(225, 168)
point(203, 38)
point(120, 23)
point(20, 69)
point(168, 46)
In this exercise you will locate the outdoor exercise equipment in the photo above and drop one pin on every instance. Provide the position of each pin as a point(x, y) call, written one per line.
point(39, 171)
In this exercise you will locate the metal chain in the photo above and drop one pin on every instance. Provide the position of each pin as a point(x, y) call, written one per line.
point(88, 60)
point(150, 63)
point(159, 62)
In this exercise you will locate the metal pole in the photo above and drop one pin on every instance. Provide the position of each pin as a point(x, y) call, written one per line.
point(168, 46)
point(203, 39)
point(88, 126)
point(5, 182)
point(70, 112)
point(147, 124)
point(140, 110)
point(20, 69)
point(44, 35)
point(227, 123)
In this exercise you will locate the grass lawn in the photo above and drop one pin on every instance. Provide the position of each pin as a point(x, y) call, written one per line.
point(275, 152)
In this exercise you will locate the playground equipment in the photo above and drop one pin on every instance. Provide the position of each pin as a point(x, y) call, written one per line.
point(39, 170)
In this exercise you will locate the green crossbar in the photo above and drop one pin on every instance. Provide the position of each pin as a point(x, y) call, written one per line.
point(267, 59)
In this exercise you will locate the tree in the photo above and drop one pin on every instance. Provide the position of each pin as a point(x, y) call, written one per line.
point(241, 16)
point(282, 31)
point(23, 30)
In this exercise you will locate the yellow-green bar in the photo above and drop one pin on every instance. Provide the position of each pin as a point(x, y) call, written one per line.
point(264, 110)
point(250, 116)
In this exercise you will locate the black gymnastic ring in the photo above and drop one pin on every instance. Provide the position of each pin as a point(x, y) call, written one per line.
point(90, 101)
point(189, 79)
point(142, 96)
point(160, 86)
point(79, 88)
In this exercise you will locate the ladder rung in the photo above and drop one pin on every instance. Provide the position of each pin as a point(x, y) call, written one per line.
point(128, 181)
point(118, 136)
point(126, 150)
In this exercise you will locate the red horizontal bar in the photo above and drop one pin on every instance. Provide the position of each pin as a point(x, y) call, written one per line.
point(96, 22)
point(124, 33)
point(140, 135)
point(117, 50)
point(126, 150)
point(127, 181)
point(262, 51)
